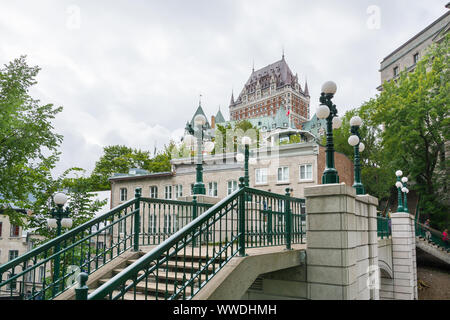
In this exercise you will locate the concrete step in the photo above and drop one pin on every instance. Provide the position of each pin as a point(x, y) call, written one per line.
point(130, 295)
point(162, 274)
point(152, 288)
point(172, 264)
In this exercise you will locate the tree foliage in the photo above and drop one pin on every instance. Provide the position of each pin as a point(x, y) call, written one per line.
point(407, 127)
point(120, 159)
point(414, 113)
point(82, 204)
point(28, 144)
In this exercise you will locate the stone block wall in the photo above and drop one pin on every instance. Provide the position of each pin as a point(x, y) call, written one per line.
point(339, 233)
point(403, 286)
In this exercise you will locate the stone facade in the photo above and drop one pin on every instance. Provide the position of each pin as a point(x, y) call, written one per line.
point(339, 234)
point(13, 241)
point(404, 57)
point(224, 171)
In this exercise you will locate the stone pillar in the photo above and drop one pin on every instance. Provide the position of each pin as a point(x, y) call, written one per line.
point(403, 245)
point(332, 271)
point(414, 261)
point(366, 212)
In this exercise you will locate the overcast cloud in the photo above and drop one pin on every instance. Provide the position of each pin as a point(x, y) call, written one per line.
point(130, 72)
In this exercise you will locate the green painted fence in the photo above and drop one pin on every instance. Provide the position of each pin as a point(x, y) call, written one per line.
point(89, 246)
point(247, 218)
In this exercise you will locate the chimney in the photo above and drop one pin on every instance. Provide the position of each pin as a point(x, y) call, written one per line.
point(213, 122)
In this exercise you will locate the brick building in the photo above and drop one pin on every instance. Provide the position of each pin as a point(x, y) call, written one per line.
point(269, 89)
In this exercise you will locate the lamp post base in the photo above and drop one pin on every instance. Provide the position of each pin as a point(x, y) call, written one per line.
point(330, 175)
point(359, 188)
point(199, 188)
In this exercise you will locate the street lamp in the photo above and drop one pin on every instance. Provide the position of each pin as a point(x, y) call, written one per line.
point(354, 141)
point(59, 219)
point(405, 191)
point(246, 142)
point(399, 186)
point(327, 110)
point(199, 132)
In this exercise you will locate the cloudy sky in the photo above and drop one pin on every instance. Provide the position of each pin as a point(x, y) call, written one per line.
point(130, 72)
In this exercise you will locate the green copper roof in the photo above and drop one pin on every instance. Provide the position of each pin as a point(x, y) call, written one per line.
point(219, 117)
point(314, 125)
point(200, 111)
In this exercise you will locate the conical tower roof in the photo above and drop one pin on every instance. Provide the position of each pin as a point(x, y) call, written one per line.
point(200, 111)
point(219, 117)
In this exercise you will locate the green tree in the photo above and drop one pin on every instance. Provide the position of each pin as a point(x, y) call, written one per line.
point(161, 161)
point(28, 144)
point(414, 114)
point(117, 159)
point(82, 204)
point(376, 172)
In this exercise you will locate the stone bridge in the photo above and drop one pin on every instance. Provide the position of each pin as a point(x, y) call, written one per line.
point(344, 258)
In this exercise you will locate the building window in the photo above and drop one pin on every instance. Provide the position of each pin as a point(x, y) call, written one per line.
point(306, 172)
point(1, 225)
point(395, 71)
point(100, 246)
point(167, 223)
point(178, 191)
point(13, 254)
point(283, 174)
point(14, 231)
point(212, 190)
point(123, 194)
point(152, 224)
point(154, 192)
point(232, 186)
point(416, 58)
point(41, 274)
point(168, 192)
point(260, 175)
point(192, 189)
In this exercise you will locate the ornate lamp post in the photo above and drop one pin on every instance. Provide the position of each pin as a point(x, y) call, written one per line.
point(405, 191)
point(354, 140)
point(60, 219)
point(327, 110)
point(199, 132)
point(246, 141)
point(399, 186)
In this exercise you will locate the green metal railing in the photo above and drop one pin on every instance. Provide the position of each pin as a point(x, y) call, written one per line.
point(383, 227)
point(432, 235)
point(247, 218)
point(91, 245)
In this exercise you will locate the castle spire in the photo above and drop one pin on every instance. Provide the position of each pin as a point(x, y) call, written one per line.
point(306, 91)
point(232, 98)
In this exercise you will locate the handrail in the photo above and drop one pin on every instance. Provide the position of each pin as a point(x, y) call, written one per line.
point(133, 269)
point(53, 242)
point(435, 236)
point(383, 227)
point(244, 205)
point(174, 202)
point(117, 230)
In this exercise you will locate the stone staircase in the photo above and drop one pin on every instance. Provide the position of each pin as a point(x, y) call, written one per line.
point(433, 249)
point(166, 278)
